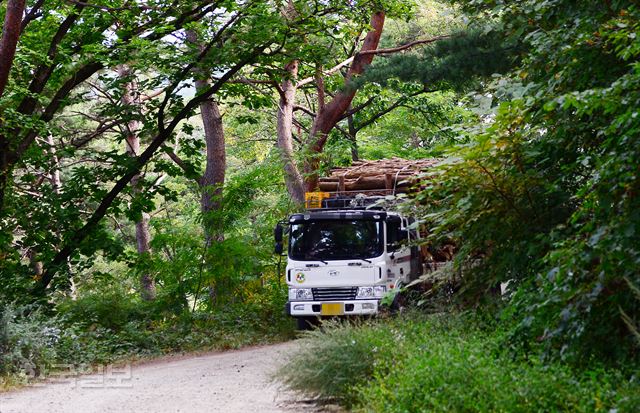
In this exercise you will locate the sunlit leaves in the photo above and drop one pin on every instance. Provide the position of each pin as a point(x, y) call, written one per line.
point(546, 193)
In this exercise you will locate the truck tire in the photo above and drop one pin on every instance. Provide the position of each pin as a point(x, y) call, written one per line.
point(305, 323)
point(399, 302)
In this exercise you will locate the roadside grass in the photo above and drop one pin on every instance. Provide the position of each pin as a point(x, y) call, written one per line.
point(444, 363)
point(84, 334)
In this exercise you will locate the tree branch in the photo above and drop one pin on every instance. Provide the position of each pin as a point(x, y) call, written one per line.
point(358, 108)
point(395, 105)
point(331, 71)
point(84, 73)
point(43, 72)
point(81, 234)
point(178, 161)
point(403, 47)
point(33, 14)
point(137, 6)
point(305, 110)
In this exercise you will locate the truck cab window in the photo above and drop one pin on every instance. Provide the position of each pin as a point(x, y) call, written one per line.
point(335, 240)
point(393, 229)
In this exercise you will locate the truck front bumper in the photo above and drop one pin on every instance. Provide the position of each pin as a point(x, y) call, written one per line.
point(314, 308)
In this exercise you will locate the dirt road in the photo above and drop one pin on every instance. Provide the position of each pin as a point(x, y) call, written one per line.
point(232, 381)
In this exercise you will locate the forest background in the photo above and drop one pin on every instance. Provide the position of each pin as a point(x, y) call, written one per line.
point(148, 150)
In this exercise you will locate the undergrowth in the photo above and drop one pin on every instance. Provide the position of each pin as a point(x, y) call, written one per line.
point(445, 363)
point(116, 327)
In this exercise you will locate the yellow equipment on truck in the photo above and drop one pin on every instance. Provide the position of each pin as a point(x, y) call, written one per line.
point(350, 247)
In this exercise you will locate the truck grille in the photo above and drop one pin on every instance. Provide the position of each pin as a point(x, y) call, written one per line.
point(337, 293)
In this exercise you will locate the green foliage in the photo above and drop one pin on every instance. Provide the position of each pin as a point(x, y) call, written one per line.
point(78, 129)
point(418, 129)
point(334, 360)
point(26, 342)
point(454, 62)
point(111, 325)
point(444, 363)
point(544, 195)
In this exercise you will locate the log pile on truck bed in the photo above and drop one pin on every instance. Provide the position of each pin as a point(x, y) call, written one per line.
point(394, 175)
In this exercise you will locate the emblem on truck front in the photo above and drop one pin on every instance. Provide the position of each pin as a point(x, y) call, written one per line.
point(300, 278)
point(334, 273)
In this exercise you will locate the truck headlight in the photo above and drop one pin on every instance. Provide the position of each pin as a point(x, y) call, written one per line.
point(300, 294)
point(379, 291)
point(365, 292)
point(371, 292)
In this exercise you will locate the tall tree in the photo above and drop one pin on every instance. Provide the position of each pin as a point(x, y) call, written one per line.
point(547, 186)
point(330, 113)
point(327, 113)
point(10, 35)
point(284, 129)
point(63, 46)
point(131, 130)
point(212, 180)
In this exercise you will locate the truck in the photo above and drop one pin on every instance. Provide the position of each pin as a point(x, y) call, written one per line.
point(350, 247)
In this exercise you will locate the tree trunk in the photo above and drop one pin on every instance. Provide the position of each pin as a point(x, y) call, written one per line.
point(56, 185)
point(293, 179)
point(355, 156)
point(9, 41)
point(8, 44)
point(54, 173)
point(132, 142)
point(329, 115)
point(212, 181)
point(5, 170)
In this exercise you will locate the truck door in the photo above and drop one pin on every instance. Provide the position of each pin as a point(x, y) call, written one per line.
point(398, 249)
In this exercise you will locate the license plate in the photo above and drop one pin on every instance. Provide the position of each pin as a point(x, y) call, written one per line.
point(332, 309)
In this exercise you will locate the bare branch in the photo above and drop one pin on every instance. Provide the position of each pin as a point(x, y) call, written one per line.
point(100, 130)
point(137, 6)
point(148, 96)
point(331, 71)
point(305, 110)
point(178, 161)
point(359, 107)
point(404, 46)
point(80, 76)
point(398, 103)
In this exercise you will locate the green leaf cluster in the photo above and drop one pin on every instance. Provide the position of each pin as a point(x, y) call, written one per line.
point(545, 195)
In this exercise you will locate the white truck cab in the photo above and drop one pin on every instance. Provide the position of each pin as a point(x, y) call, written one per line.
point(342, 261)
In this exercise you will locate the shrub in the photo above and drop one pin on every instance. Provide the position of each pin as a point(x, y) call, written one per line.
point(444, 363)
point(334, 360)
point(26, 343)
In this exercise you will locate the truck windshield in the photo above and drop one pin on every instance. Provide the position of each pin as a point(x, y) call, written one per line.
point(335, 240)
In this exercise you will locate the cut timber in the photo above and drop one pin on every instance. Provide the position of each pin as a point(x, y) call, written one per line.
point(390, 175)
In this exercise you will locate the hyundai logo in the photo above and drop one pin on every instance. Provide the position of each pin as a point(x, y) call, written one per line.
point(334, 273)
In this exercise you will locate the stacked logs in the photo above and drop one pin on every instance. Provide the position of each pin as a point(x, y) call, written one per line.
point(394, 175)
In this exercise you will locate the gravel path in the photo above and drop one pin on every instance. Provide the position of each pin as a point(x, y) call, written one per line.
point(232, 381)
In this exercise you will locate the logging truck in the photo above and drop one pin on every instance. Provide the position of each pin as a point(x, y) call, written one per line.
point(347, 249)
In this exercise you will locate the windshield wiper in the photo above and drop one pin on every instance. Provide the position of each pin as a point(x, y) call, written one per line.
point(366, 260)
point(316, 259)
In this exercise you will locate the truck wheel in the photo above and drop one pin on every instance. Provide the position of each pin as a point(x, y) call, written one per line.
point(306, 323)
point(399, 302)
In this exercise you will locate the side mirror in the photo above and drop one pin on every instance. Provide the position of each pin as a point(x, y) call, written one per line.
point(402, 235)
point(277, 233)
point(278, 236)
